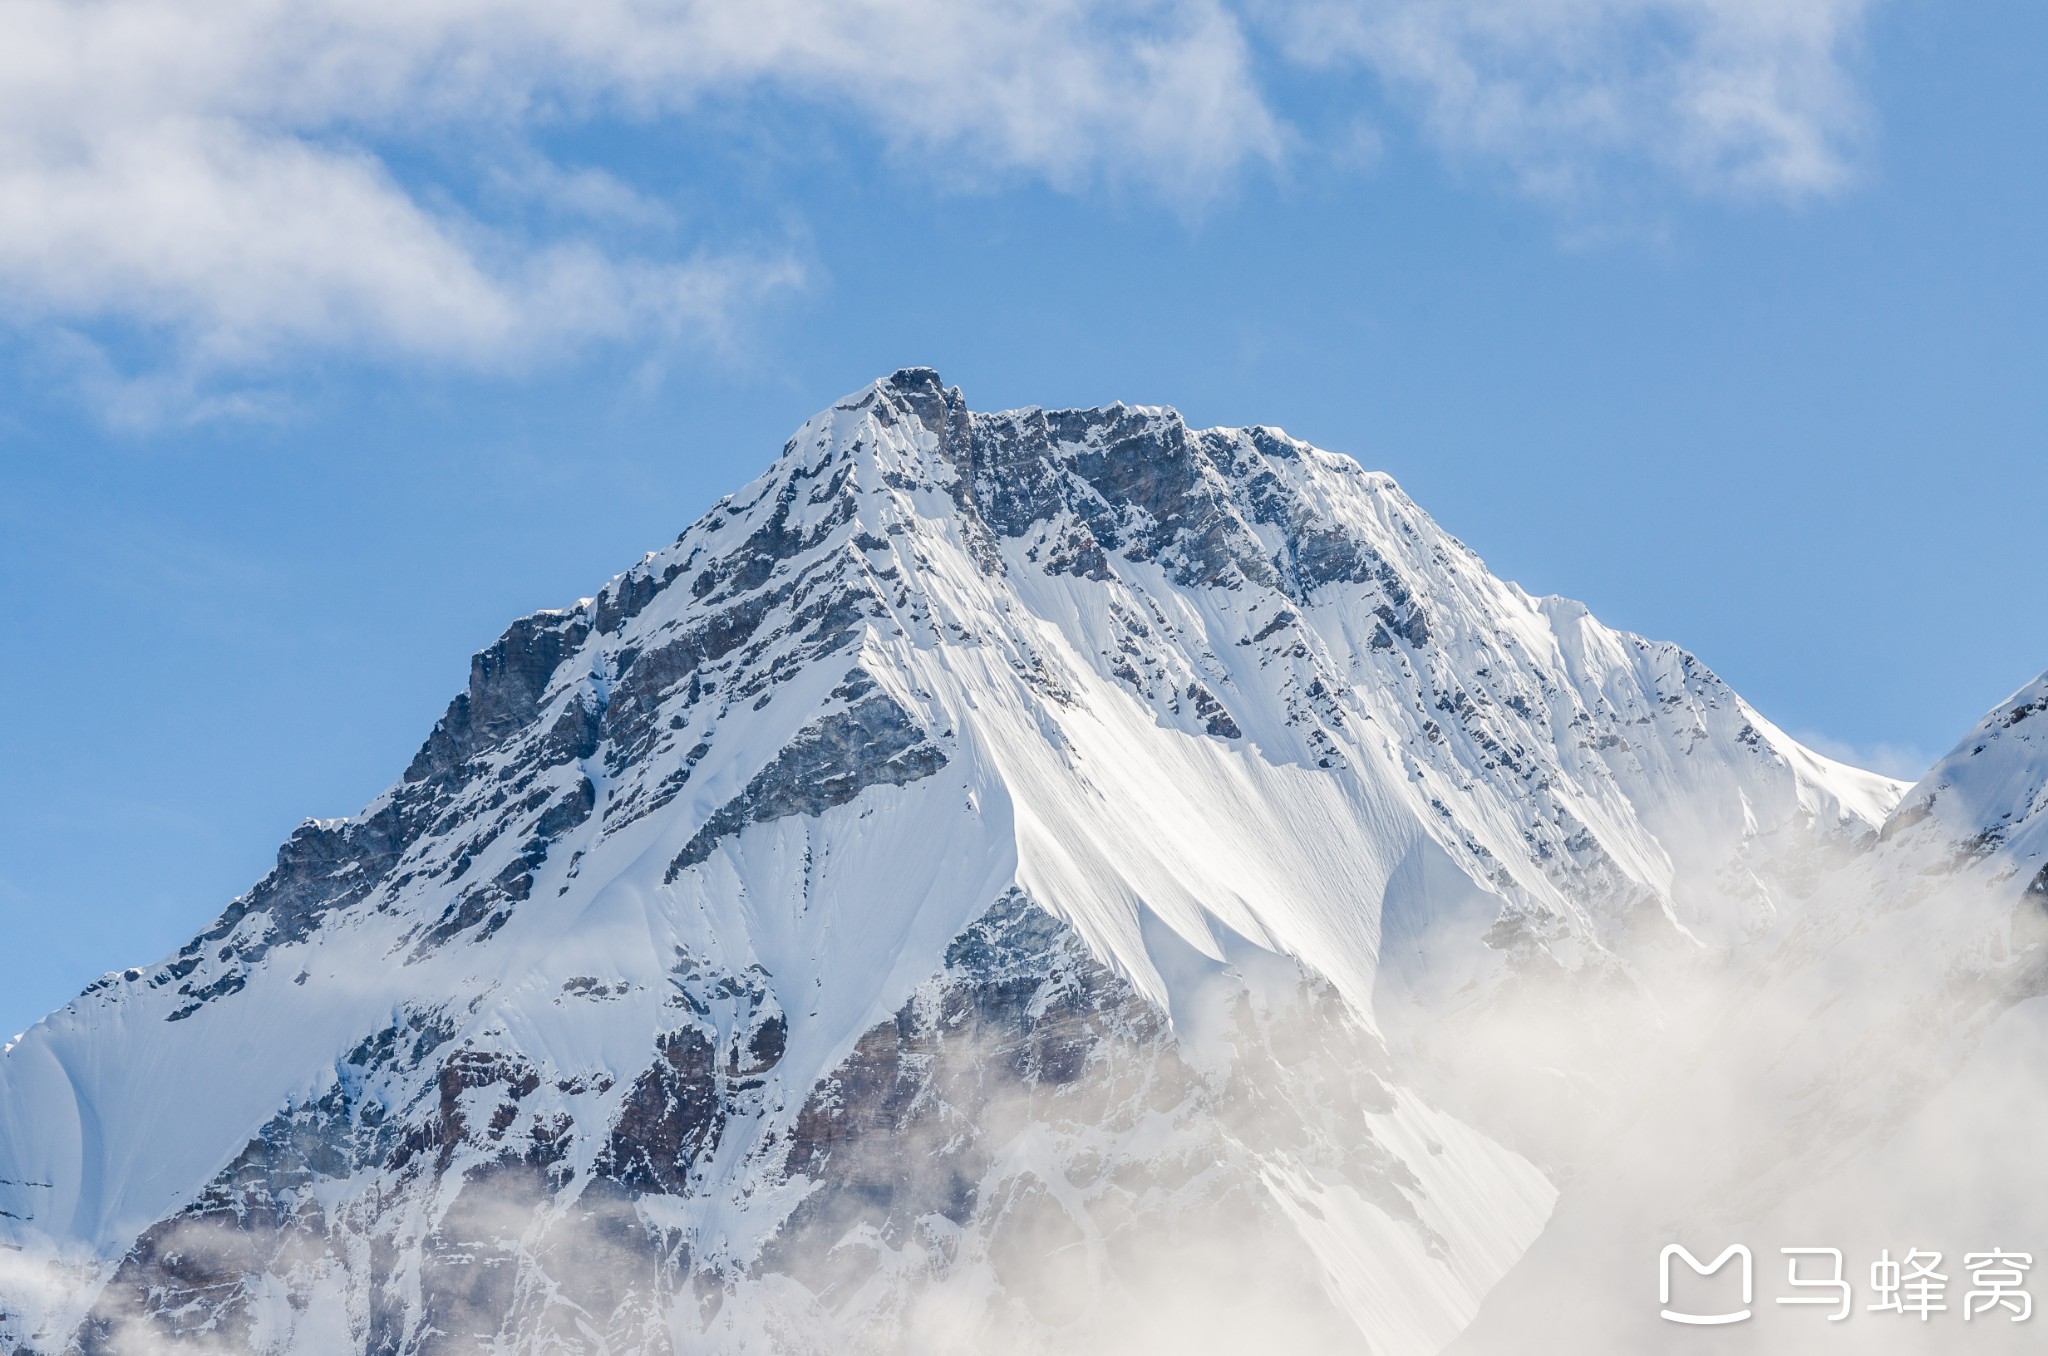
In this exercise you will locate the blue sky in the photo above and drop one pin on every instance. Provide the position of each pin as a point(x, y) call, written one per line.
point(334, 337)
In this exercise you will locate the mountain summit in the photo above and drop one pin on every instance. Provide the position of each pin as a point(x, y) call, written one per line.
point(1025, 878)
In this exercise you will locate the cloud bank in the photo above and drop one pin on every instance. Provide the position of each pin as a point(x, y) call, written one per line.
point(247, 178)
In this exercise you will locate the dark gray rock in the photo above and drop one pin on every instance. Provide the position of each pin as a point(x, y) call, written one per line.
point(672, 1118)
point(830, 761)
point(506, 683)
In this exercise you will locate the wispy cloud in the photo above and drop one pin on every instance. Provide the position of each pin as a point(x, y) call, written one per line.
point(240, 240)
point(205, 169)
point(1745, 96)
point(218, 174)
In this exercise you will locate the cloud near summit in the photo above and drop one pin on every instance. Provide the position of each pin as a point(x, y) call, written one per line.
point(245, 178)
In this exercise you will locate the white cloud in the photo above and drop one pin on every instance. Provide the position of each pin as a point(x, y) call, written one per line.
point(203, 168)
point(209, 170)
point(1750, 96)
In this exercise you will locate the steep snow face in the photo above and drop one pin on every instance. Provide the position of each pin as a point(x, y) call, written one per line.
point(1228, 713)
point(1988, 799)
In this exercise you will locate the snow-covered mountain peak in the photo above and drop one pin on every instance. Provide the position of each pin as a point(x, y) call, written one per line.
point(1146, 746)
point(1988, 798)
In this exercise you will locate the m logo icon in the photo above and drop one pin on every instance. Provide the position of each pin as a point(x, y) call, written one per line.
point(1664, 1282)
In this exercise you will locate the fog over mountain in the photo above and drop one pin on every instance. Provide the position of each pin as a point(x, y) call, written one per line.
point(1056, 881)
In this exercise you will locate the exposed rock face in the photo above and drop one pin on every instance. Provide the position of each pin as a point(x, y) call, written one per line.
point(873, 742)
point(913, 1153)
point(997, 875)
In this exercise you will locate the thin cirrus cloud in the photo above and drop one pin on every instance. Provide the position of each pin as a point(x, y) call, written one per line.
point(1743, 96)
point(211, 173)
